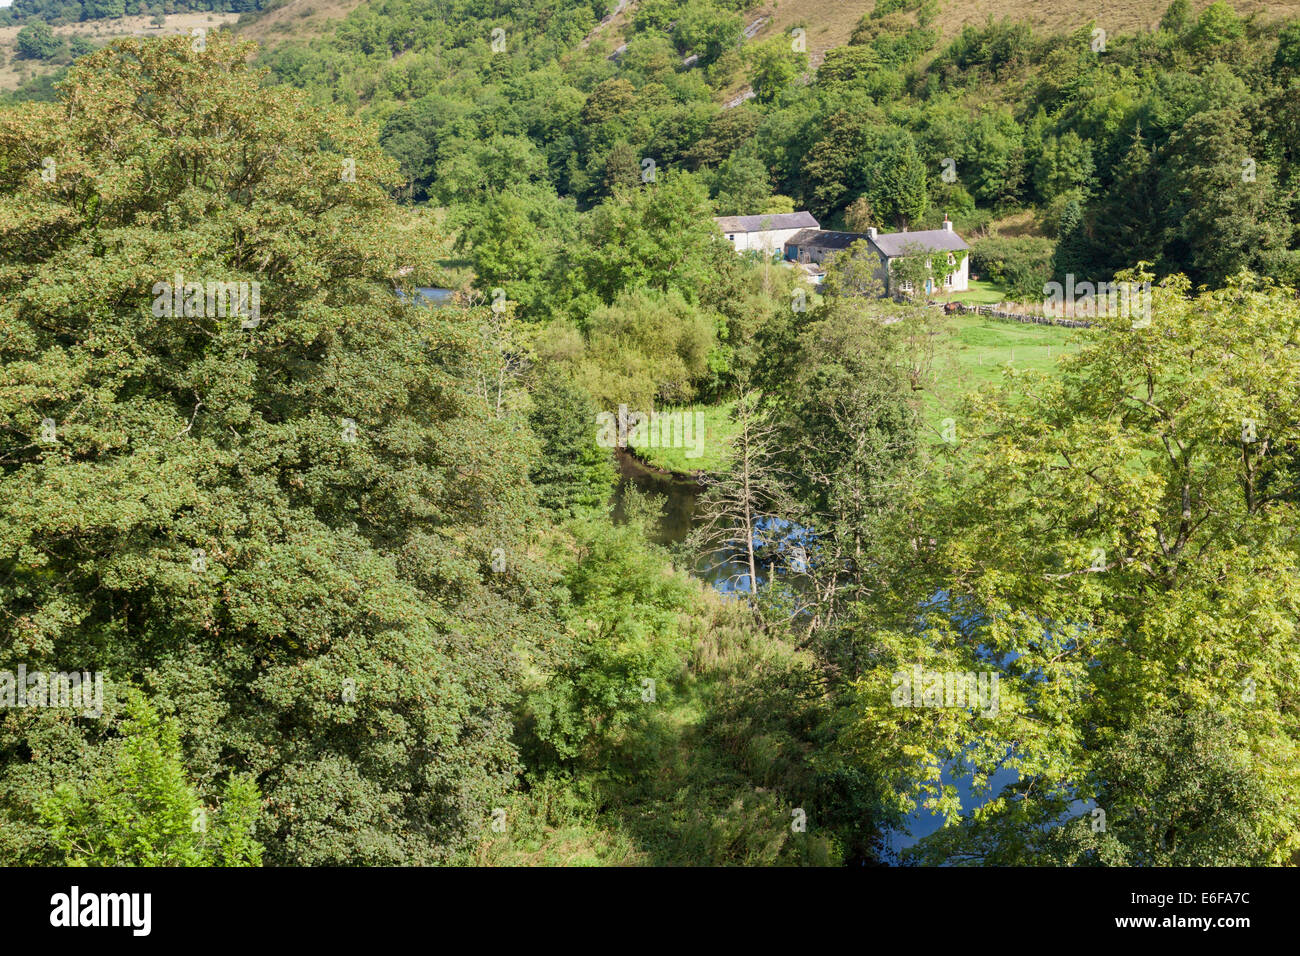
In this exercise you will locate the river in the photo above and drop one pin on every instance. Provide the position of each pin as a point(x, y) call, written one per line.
point(722, 568)
point(679, 494)
point(731, 577)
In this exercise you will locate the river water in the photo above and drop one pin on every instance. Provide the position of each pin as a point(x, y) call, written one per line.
point(774, 539)
point(732, 577)
point(679, 496)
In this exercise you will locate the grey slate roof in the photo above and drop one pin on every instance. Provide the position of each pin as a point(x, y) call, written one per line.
point(781, 220)
point(894, 244)
point(824, 239)
point(803, 237)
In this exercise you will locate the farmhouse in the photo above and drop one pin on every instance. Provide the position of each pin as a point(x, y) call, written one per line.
point(764, 233)
point(945, 251)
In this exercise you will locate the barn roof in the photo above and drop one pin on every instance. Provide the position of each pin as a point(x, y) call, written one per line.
point(778, 220)
point(825, 239)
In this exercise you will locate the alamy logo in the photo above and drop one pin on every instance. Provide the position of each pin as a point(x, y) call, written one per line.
point(653, 430)
point(1126, 300)
point(103, 909)
point(209, 300)
point(78, 691)
point(964, 689)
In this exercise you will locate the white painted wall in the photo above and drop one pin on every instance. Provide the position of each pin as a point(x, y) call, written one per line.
point(768, 240)
point(939, 266)
point(960, 274)
point(961, 279)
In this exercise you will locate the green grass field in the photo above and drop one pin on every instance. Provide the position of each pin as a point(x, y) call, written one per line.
point(717, 428)
point(980, 292)
point(977, 350)
point(974, 352)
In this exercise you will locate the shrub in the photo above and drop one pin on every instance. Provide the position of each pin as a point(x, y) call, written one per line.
point(37, 41)
point(1020, 265)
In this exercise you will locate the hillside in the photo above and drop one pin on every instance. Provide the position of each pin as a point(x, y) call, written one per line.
point(17, 70)
point(294, 20)
point(829, 23)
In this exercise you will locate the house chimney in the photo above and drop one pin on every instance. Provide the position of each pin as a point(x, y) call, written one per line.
point(871, 232)
point(947, 223)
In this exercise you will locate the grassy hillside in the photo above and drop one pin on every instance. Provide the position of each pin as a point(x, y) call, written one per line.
point(15, 70)
point(294, 20)
point(829, 23)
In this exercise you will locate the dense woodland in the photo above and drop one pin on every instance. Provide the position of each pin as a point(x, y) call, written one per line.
point(353, 573)
point(1132, 153)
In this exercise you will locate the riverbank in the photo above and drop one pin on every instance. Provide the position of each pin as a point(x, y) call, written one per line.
point(710, 433)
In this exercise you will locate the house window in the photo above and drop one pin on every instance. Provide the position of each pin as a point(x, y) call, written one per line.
point(905, 286)
point(947, 280)
point(732, 237)
point(952, 260)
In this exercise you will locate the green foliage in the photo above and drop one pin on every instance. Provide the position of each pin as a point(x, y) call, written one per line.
point(857, 271)
point(1288, 48)
point(656, 236)
point(846, 420)
point(572, 473)
point(898, 182)
point(855, 157)
point(1095, 516)
point(140, 810)
point(994, 50)
point(345, 663)
point(1177, 17)
point(206, 521)
point(475, 170)
point(1021, 266)
point(1217, 25)
point(515, 239)
point(706, 30)
point(1222, 210)
point(73, 10)
point(647, 348)
point(742, 184)
point(1064, 165)
point(709, 773)
point(37, 41)
point(1070, 255)
point(773, 65)
point(896, 39)
point(79, 45)
point(1181, 790)
point(623, 639)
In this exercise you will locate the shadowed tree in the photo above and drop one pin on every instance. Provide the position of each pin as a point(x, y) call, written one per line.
point(278, 520)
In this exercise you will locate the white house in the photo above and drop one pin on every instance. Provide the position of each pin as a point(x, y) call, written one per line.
point(946, 253)
point(764, 234)
point(948, 256)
